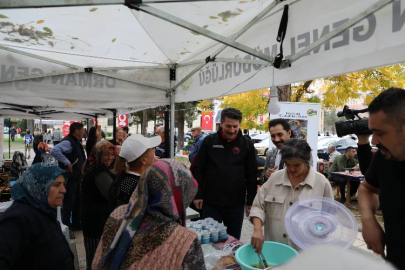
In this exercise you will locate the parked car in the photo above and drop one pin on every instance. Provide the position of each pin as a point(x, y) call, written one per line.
point(340, 143)
point(253, 135)
point(261, 143)
point(208, 132)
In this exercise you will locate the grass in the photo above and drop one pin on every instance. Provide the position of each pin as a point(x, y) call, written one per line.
point(17, 144)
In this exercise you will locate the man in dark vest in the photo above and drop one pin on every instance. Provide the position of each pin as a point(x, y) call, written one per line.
point(70, 154)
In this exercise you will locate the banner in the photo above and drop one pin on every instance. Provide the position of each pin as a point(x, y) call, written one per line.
point(122, 120)
point(303, 119)
point(1, 140)
point(65, 127)
point(206, 120)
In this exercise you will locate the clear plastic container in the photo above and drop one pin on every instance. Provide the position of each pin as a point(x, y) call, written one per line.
point(214, 235)
point(206, 237)
point(222, 233)
point(199, 235)
point(321, 221)
point(198, 227)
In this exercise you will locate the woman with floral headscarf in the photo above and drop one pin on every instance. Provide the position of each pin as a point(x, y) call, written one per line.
point(30, 235)
point(97, 179)
point(149, 232)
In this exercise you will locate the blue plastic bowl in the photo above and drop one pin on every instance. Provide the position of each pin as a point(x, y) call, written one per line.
point(275, 254)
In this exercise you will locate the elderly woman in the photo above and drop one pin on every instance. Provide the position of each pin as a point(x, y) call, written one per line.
point(97, 179)
point(30, 235)
point(149, 232)
point(136, 156)
point(297, 181)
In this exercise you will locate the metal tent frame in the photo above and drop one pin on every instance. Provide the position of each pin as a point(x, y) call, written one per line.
point(142, 5)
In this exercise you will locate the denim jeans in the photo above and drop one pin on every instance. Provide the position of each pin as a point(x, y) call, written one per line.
point(232, 216)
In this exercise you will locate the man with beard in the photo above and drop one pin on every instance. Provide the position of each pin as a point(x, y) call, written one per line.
point(226, 173)
point(280, 132)
point(385, 179)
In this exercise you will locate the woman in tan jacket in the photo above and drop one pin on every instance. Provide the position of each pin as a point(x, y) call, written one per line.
point(297, 181)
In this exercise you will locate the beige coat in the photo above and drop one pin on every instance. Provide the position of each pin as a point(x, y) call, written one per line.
point(276, 196)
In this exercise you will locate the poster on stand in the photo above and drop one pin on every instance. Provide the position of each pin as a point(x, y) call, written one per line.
point(1, 140)
point(303, 119)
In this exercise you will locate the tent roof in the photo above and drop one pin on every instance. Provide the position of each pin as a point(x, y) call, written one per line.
point(216, 48)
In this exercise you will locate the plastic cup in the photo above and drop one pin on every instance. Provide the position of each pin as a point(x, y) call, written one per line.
point(199, 235)
point(198, 227)
point(214, 235)
point(206, 237)
point(222, 233)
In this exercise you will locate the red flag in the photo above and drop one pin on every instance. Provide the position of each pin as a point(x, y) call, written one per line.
point(251, 117)
point(261, 117)
point(206, 120)
point(122, 120)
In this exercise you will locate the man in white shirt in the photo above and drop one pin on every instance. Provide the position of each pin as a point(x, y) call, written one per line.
point(333, 153)
point(280, 132)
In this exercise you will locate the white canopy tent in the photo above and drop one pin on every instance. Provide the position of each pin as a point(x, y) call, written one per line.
point(80, 58)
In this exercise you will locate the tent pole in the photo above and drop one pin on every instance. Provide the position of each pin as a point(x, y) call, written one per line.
point(172, 126)
point(114, 125)
point(9, 137)
point(167, 132)
point(172, 110)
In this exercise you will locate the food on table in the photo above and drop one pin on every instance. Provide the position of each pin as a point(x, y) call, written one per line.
point(258, 266)
point(227, 262)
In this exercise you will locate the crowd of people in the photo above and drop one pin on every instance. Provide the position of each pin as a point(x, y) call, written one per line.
point(131, 203)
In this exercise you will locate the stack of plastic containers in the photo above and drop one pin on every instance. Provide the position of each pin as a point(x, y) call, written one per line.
point(209, 230)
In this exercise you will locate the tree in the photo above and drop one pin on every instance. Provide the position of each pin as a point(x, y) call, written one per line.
point(22, 124)
point(251, 104)
point(300, 90)
point(337, 90)
point(185, 112)
point(206, 105)
point(141, 118)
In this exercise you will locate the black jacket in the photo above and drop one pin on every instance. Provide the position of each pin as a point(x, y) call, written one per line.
point(94, 205)
point(77, 156)
point(225, 171)
point(89, 146)
point(30, 239)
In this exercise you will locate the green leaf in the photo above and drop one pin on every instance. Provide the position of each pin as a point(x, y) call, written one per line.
point(113, 40)
point(74, 38)
point(93, 9)
point(194, 33)
point(48, 30)
point(72, 47)
point(213, 17)
point(3, 17)
point(205, 26)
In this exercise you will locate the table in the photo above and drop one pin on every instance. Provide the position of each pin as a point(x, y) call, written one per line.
point(191, 213)
point(349, 177)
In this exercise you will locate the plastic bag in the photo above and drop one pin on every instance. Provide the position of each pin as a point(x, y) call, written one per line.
point(220, 260)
